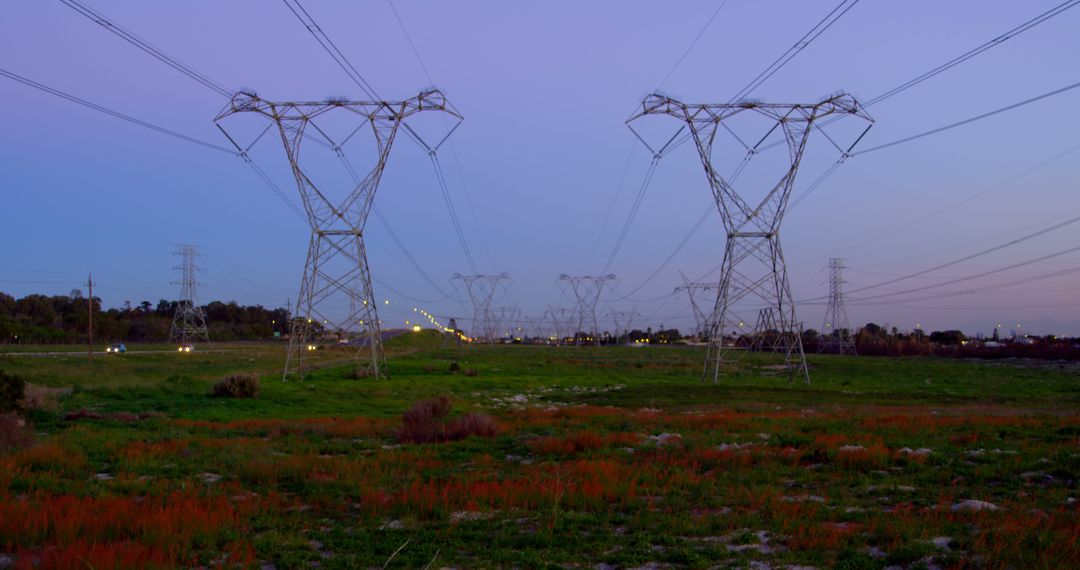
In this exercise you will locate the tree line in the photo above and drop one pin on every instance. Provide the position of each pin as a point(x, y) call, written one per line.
point(63, 319)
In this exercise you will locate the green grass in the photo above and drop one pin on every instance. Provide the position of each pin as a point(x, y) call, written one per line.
point(311, 470)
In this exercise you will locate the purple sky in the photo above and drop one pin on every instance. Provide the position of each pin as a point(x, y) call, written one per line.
point(545, 88)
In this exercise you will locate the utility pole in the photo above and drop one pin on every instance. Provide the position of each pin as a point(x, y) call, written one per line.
point(337, 264)
point(753, 262)
point(587, 290)
point(90, 316)
point(835, 330)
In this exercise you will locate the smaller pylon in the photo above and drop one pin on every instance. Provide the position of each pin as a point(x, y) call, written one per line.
point(587, 290)
point(189, 321)
point(702, 319)
point(835, 330)
point(622, 321)
point(481, 290)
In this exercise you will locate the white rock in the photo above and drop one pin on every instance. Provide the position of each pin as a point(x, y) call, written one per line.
point(851, 448)
point(974, 505)
point(209, 478)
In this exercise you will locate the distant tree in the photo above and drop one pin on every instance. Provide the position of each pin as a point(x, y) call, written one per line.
point(949, 337)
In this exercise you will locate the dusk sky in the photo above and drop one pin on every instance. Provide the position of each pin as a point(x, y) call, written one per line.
point(545, 88)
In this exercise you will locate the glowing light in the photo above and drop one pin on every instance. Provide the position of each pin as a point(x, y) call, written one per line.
point(416, 328)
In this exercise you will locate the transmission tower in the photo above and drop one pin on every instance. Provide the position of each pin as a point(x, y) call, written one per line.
point(189, 322)
point(506, 320)
point(623, 321)
point(753, 261)
point(481, 290)
point(587, 290)
point(835, 330)
point(336, 268)
point(695, 291)
point(562, 320)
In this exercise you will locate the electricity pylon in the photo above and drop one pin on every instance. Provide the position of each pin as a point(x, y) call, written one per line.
point(694, 291)
point(189, 321)
point(835, 329)
point(481, 290)
point(336, 265)
point(622, 321)
point(587, 290)
point(506, 320)
point(561, 320)
point(753, 260)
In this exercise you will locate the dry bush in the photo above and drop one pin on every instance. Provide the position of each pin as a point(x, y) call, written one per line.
point(470, 372)
point(239, 385)
point(455, 367)
point(472, 423)
point(426, 422)
point(43, 398)
point(15, 432)
point(12, 392)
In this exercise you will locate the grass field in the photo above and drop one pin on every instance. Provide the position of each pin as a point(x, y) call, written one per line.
point(612, 457)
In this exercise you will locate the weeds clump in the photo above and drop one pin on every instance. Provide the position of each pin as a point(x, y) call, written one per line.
point(471, 372)
point(361, 372)
point(15, 432)
point(239, 385)
point(455, 367)
point(12, 392)
point(427, 422)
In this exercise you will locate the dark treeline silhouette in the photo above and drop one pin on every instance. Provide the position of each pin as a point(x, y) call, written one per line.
point(875, 340)
point(62, 319)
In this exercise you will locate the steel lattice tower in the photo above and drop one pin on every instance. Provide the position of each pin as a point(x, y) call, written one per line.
point(336, 265)
point(481, 290)
point(587, 290)
point(753, 260)
point(506, 320)
point(835, 329)
point(623, 320)
point(189, 321)
point(702, 318)
point(561, 319)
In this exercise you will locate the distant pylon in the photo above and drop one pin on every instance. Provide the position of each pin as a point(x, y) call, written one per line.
point(562, 320)
point(835, 329)
point(506, 321)
point(336, 269)
point(481, 290)
point(702, 318)
point(753, 261)
point(587, 290)
point(623, 320)
point(189, 322)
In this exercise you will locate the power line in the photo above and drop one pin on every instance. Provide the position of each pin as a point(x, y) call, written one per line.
point(835, 14)
point(110, 112)
point(694, 42)
point(328, 45)
point(130, 37)
point(969, 120)
point(964, 258)
point(996, 41)
point(971, 277)
point(967, 199)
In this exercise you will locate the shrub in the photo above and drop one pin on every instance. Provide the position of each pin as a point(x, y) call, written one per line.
point(470, 372)
point(426, 422)
point(15, 432)
point(472, 423)
point(12, 392)
point(455, 368)
point(239, 385)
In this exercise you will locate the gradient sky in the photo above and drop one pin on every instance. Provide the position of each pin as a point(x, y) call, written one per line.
point(545, 88)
